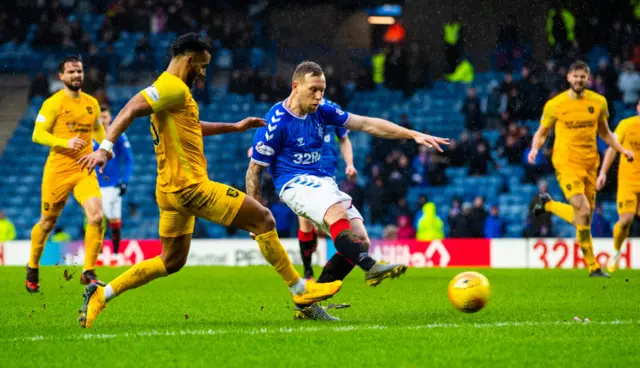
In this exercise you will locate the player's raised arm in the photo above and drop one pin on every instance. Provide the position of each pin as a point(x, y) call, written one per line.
point(386, 129)
point(346, 149)
point(605, 133)
point(224, 128)
point(253, 181)
point(547, 122)
point(44, 125)
point(137, 107)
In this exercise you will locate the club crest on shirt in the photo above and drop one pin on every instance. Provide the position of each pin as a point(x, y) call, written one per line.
point(89, 110)
point(591, 109)
point(71, 125)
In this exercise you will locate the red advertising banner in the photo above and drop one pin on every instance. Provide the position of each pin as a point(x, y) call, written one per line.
point(437, 253)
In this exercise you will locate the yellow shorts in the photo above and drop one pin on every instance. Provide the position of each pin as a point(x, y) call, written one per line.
point(57, 186)
point(208, 200)
point(574, 181)
point(627, 199)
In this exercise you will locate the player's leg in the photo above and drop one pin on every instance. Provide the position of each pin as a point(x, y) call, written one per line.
point(354, 247)
point(175, 230)
point(582, 220)
point(54, 196)
point(627, 208)
point(112, 208)
point(87, 193)
point(567, 181)
point(308, 240)
point(227, 206)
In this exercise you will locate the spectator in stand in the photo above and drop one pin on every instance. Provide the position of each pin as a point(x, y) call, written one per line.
point(420, 166)
point(430, 226)
point(477, 218)
point(472, 111)
point(375, 200)
point(541, 225)
point(480, 160)
point(351, 187)
point(39, 86)
point(551, 78)
point(600, 226)
point(455, 155)
point(515, 106)
point(458, 223)
point(508, 145)
point(7, 229)
point(494, 105)
point(390, 232)
point(629, 84)
point(405, 230)
point(609, 80)
point(494, 226)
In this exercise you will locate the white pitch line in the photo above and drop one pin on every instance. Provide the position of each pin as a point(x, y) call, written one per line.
point(320, 328)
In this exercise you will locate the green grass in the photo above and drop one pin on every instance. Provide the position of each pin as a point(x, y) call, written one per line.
point(206, 316)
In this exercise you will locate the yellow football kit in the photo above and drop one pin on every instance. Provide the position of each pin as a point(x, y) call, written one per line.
point(183, 189)
point(575, 151)
point(60, 119)
point(628, 134)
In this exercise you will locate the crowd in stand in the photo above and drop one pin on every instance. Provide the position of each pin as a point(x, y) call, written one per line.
point(393, 166)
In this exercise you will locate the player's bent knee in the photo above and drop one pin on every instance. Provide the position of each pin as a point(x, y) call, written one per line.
point(268, 222)
point(173, 262)
point(95, 218)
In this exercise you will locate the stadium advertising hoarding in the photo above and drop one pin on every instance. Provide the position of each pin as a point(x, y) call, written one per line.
point(495, 253)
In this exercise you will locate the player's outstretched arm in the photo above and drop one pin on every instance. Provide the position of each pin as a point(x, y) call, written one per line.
point(253, 181)
point(385, 129)
point(135, 108)
point(609, 157)
point(224, 128)
point(605, 133)
point(538, 141)
point(347, 154)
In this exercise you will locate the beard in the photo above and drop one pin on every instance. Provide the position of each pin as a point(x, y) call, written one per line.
point(73, 87)
point(579, 89)
point(191, 78)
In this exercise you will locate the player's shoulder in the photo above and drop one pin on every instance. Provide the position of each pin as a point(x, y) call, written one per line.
point(558, 99)
point(632, 120)
point(55, 99)
point(594, 96)
point(330, 103)
point(329, 107)
point(279, 115)
point(170, 80)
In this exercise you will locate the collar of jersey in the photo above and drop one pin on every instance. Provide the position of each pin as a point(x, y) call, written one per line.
point(291, 112)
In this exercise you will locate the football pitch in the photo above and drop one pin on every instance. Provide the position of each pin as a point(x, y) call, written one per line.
point(216, 316)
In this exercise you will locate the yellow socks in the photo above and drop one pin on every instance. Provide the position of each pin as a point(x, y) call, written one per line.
point(38, 238)
point(562, 210)
point(274, 253)
point(620, 233)
point(585, 243)
point(136, 276)
point(92, 245)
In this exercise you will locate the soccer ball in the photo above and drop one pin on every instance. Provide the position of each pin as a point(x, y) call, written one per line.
point(469, 292)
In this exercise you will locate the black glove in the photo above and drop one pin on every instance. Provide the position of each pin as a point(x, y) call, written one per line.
point(123, 188)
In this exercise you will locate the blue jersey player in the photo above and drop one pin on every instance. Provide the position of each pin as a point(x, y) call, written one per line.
point(290, 147)
point(307, 236)
point(114, 180)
